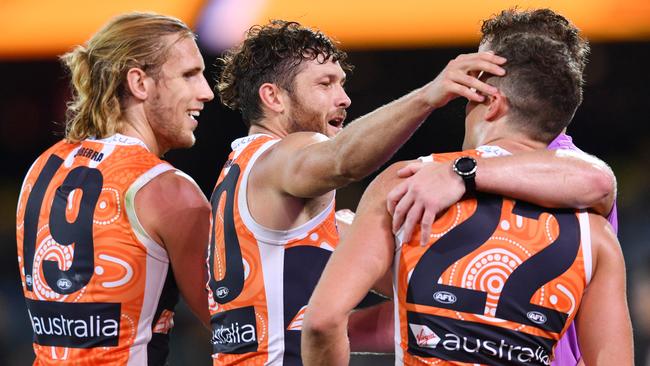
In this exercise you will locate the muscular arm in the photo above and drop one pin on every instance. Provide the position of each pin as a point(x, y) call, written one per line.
point(603, 320)
point(175, 213)
point(360, 260)
point(559, 178)
point(309, 165)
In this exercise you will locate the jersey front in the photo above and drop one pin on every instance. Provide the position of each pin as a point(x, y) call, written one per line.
point(260, 279)
point(97, 287)
point(498, 282)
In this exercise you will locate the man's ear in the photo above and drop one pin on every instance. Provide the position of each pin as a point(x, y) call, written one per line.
point(497, 106)
point(136, 82)
point(272, 97)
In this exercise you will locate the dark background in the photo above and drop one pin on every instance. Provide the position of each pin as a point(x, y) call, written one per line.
point(612, 123)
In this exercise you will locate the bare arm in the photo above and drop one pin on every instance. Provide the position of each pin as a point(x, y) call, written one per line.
point(559, 178)
point(359, 261)
point(309, 164)
point(603, 320)
point(176, 214)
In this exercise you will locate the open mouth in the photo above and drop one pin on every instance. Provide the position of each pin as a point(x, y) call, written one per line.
point(193, 114)
point(337, 122)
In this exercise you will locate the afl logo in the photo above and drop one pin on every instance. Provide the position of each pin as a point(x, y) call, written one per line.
point(444, 297)
point(222, 292)
point(63, 283)
point(536, 317)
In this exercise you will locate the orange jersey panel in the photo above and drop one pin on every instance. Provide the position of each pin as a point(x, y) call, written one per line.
point(498, 283)
point(91, 286)
point(260, 279)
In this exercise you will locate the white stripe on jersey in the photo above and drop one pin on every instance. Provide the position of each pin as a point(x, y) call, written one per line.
point(272, 257)
point(154, 282)
point(585, 238)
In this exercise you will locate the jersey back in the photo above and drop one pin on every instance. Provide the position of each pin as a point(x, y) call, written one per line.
point(92, 278)
point(260, 279)
point(498, 283)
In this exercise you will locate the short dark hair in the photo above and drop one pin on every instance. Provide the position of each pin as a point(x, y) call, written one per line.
point(543, 83)
point(271, 53)
point(537, 21)
point(546, 59)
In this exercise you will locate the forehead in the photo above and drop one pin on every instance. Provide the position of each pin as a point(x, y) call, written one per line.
point(183, 53)
point(317, 68)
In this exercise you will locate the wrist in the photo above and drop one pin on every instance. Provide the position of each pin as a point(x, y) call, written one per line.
point(465, 167)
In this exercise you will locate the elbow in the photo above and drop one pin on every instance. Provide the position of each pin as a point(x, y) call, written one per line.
point(604, 185)
point(601, 191)
point(318, 325)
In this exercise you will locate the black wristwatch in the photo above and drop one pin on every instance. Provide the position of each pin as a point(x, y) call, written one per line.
point(465, 167)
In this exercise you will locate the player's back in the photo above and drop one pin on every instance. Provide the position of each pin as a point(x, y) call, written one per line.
point(498, 283)
point(98, 288)
point(260, 279)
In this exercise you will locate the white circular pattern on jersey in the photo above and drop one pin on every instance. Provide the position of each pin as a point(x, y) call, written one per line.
point(552, 299)
point(488, 271)
point(99, 270)
point(313, 236)
point(50, 250)
point(103, 205)
point(505, 225)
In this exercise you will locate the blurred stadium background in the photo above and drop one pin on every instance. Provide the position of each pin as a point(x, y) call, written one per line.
point(396, 46)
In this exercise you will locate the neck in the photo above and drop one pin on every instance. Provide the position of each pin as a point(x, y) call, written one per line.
point(269, 127)
point(516, 145)
point(135, 125)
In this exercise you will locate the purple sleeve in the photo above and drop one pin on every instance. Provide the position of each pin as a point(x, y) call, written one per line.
point(567, 351)
point(564, 141)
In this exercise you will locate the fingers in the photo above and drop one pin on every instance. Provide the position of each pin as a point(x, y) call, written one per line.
point(462, 77)
point(403, 207)
point(425, 226)
point(411, 220)
point(394, 196)
point(410, 169)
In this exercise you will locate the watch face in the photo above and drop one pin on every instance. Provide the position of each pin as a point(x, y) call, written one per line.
point(465, 166)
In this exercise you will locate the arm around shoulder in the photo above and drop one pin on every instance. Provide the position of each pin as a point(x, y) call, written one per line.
point(176, 214)
point(560, 178)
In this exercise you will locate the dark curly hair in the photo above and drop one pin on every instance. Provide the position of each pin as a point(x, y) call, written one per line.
point(544, 72)
point(271, 53)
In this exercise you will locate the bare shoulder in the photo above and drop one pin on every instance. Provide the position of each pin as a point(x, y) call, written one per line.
point(388, 178)
point(376, 192)
point(605, 244)
point(167, 202)
point(290, 145)
point(172, 190)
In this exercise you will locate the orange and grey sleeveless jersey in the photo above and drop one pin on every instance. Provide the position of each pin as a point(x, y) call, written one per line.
point(498, 282)
point(98, 289)
point(260, 279)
